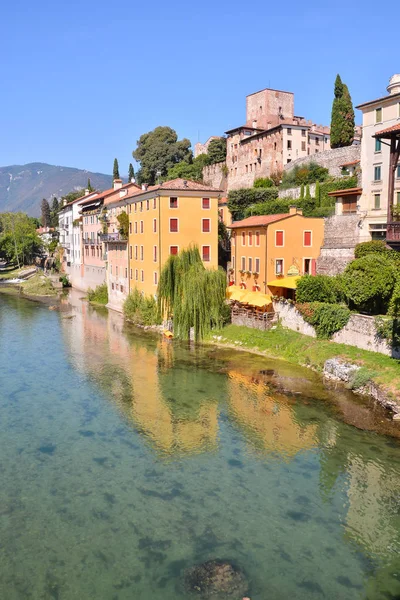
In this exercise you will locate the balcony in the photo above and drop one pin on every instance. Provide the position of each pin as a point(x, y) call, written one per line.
point(112, 237)
point(393, 234)
point(91, 242)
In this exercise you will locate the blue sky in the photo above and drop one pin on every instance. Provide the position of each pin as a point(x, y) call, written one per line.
point(81, 81)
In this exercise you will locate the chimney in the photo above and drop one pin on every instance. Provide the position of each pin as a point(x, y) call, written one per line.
point(292, 210)
point(117, 184)
point(145, 186)
point(87, 192)
point(133, 180)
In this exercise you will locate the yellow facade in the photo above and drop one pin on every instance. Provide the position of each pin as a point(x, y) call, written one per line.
point(286, 245)
point(153, 218)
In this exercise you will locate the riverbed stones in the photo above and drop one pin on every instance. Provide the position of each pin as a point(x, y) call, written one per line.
point(216, 579)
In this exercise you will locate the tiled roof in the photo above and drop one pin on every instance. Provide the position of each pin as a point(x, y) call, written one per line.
point(388, 130)
point(346, 192)
point(180, 184)
point(258, 220)
point(349, 164)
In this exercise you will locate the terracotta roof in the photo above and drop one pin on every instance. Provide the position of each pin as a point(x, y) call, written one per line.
point(386, 132)
point(259, 220)
point(389, 97)
point(244, 127)
point(348, 164)
point(180, 184)
point(346, 192)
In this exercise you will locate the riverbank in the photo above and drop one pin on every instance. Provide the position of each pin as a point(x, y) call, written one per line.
point(302, 350)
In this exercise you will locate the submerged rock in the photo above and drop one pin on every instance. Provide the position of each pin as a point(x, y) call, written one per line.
point(216, 579)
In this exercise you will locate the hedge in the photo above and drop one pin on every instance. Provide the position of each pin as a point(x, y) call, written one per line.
point(319, 288)
point(368, 283)
point(325, 318)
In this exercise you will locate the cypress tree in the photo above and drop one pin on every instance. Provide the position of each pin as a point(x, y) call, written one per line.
point(302, 191)
point(342, 120)
point(46, 216)
point(308, 194)
point(317, 194)
point(115, 169)
point(131, 172)
point(89, 185)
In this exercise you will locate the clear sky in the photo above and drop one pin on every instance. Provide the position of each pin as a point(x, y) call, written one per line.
point(81, 81)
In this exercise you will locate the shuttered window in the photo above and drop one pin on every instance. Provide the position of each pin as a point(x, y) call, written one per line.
point(279, 238)
point(307, 238)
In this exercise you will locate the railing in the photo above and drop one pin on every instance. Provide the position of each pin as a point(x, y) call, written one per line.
point(393, 232)
point(112, 237)
point(91, 242)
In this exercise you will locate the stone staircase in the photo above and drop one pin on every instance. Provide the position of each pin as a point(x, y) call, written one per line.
point(340, 238)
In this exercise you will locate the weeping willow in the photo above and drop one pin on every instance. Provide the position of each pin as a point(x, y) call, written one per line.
point(191, 294)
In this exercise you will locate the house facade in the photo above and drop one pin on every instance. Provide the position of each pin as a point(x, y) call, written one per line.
point(264, 248)
point(164, 219)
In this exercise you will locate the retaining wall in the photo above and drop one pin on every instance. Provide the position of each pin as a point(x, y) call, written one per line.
point(330, 159)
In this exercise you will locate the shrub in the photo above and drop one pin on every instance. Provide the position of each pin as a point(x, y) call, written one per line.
point(123, 224)
point(319, 288)
point(275, 207)
point(65, 281)
point(239, 200)
point(373, 247)
point(98, 295)
point(368, 283)
point(388, 328)
point(141, 310)
point(263, 182)
point(309, 173)
point(361, 377)
point(325, 318)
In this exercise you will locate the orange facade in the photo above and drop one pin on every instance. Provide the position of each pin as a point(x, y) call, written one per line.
point(166, 219)
point(268, 247)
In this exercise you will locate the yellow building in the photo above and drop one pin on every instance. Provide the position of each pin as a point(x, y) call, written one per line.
point(270, 247)
point(166, 218)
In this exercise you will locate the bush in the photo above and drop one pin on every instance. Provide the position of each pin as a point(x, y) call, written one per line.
point(309, 173)
point(388, 328)
point(275, 207)
point(65, 281)
point(373, 247)
point(319, 288)
point(263, 182)
point(360, 378)
point(325, 318)
point(239, 200)
point(141, 310)
point(98, 295)
point(368, 283)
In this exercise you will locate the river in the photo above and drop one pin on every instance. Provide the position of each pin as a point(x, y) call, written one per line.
point(126, 459)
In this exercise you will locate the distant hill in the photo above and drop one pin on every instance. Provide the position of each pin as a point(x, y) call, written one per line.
point(22, 187)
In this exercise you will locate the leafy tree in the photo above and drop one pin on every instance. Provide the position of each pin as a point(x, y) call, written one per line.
point(71, 196)
point(46, 215)
point(263, 182)
point(55, 207)
point(241, 199)
point(368, 283)
point(217, 150)
point(372, 247)
point(319, 288)
point(19, 241)
point(131, 173)
point(342, 120)
point(325, 318)
point(302, 175)
point(123, 221)
point(193, 171)
point(115, 169)
point(160, 150)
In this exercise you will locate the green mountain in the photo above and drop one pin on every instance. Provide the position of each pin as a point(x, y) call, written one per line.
point(22, 187)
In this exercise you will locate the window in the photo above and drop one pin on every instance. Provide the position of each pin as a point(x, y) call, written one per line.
point(154, 225)
point(112, 286)
point(141, 207)
point(243, 261)
point(206, 225)
point(378, 115)
point(141, 253)
point(250, 238)
point(173, 225)
point(257, 265)
point(131, 273)
point(398, 172)
point(378, 146)
point(243, 238)
point(377, 200)
point(110, 269)
point(303, 133)
point(279, 238)
point(279, 266)
point(173, 202)
point(155, 279)
point(121, 288)
point(205, 203)
point(289, 144)
point(142, 275)
point(398, 198)
point(289, 131)
point(257, 238)
point(126, 273)
point(173, 250)
point(307, 266)
point(136, 252)
point(250, 264)
point(155, 253)
point(206, 253)
point(136, 274)
point(377, 172)
point(130, 228)
point(317, 141)
point(130, 252)
point(233, 262)
point(135, 226)
point(116, 271)
point(247, 168)
point(307, 238)
point(141, 227)
point(147, 204)
point(135, 207)
point(303, 145)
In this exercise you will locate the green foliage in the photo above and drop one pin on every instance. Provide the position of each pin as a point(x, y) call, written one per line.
point(325, 318)
point(45, 211)
point(160, 150)
point(99, 295)
point(341, 183)
point(71, 196)
point(368, 283)
point(263, 182)
point(317, 194)
point(239, 200)
point(388, 328)
point(217, 150)
point(342, 120)
point(307, 197)
point(275, 207)
point(361, 377)
point(193, 295)
point(131, 173)
point(394, 304)
point(65, 281)
point(141, 310)
point(89, 186)
point(19, 241)
point(52, 246)
point(302, 191)
point(55, 207)
point(123, 227)
point(39, 285)
point(115, 169)
point(185, 170)
point(299, 175)
point(319, 288)
point(373, 247)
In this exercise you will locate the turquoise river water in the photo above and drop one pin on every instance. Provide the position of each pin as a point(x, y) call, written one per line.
point(126, 459)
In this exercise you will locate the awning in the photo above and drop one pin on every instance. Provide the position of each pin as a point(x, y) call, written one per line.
point(237, 295)
point(256, 299)
point(285, 282)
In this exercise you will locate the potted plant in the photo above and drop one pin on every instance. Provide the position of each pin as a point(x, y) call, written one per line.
point(396, 212)
point(248, 273)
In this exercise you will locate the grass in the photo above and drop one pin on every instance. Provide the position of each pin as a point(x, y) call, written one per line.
point(13, 272)
point(303, 350)
point(38, 285)
point(99, 295)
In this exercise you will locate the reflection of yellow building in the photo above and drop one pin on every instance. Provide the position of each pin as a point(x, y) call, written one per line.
point(271, 423)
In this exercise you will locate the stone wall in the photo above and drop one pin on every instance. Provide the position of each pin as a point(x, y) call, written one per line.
point(341, 234)
point(330, 159)
point(359, 332)
point(295, 192)
point(214, 176)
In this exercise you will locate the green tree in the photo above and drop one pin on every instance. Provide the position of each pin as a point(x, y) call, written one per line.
point(131, 173)
point(263, 182)
point(89, 186)
point(55, 207)
point(342, 120)
point(317, 194)
point(302, 191)
point(185, 170)
point(123, 221)
point(217, 150)
point(19, 241)
point(115, 169)
point(368, 283)
point(159, 150)
point(45, 212)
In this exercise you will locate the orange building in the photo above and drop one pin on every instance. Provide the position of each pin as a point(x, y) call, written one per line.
point(164, 219)
point(269, 247)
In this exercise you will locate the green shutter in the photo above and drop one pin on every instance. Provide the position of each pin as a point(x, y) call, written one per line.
point(377, 198)
point(378, 146)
